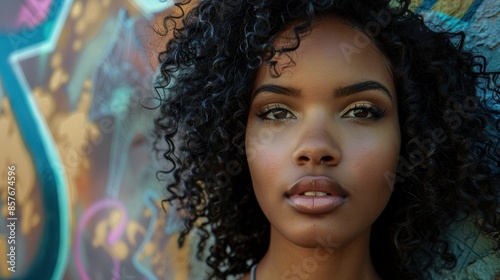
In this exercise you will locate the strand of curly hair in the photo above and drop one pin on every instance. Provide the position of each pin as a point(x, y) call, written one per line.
point(448, 103)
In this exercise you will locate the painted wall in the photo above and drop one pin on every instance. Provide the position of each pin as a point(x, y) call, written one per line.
point(74, 136)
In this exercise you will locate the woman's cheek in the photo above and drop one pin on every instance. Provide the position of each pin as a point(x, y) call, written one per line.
point(371, 162)
point(264, 141)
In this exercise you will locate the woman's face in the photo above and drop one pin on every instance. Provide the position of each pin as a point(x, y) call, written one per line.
point(323, 139)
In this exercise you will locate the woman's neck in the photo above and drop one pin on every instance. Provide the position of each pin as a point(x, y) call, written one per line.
point(285, 260)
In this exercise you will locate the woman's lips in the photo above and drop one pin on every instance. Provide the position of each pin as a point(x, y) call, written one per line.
point(315, 195)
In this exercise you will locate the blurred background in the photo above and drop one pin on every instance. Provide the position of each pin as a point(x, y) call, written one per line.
point(75, 78)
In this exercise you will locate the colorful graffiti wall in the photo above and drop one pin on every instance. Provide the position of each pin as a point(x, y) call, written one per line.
point(79, 197)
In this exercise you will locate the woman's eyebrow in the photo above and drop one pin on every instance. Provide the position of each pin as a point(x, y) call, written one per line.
point(339, 93)
point(292, 92)
point(362, 86)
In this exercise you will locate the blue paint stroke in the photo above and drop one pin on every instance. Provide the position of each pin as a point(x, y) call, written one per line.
point(472, 10)
point(150, 7)
point(148, 196)
point(425, 5)
point(52, 253)
point(94, 52)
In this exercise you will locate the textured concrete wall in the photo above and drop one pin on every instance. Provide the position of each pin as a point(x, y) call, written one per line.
point(479, 19)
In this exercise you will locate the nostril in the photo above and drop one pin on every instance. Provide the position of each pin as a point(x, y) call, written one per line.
point(326, 159)
point(303, 159)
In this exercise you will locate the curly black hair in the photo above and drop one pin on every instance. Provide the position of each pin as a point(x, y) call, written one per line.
point(448, 106)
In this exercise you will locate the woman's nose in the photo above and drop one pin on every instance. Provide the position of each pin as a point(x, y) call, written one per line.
point(316, 145)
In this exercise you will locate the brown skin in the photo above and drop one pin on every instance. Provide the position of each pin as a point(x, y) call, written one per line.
point(316, 132)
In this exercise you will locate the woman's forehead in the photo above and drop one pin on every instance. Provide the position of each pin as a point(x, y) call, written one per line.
point(330, 41)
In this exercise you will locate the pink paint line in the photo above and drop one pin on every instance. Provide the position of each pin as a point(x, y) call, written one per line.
point(33, 12)
point(113, 237)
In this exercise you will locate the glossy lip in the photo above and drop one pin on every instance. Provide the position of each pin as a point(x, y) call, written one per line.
point(316, 204)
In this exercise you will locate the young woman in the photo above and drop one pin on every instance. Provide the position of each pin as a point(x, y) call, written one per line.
point(326, 139)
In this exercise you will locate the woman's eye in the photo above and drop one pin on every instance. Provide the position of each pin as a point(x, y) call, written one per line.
point(364, 112)
point(359, 113)
point(276, 114)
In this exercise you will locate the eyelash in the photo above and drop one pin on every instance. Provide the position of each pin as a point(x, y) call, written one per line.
point(376, 113)
point(269, 109)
